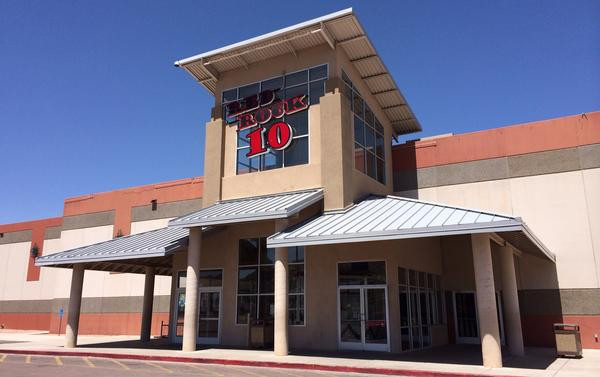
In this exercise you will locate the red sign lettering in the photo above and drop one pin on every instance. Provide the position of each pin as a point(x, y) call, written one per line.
point(279, 137)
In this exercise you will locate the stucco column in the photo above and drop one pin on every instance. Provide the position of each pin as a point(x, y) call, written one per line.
point(281, 302)
point(280, 341)
point(74, 306)
point(512, 313)
point(147, 306)
point(489, 331)
point(190, 318)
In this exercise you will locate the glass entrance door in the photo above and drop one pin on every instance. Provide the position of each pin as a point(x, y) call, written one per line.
point(209, 315)
point(363, 318)
point(465, 316)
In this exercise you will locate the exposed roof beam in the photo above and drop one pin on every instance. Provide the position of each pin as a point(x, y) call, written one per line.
point(350, 40)
point(383, 91)
point(363, 58)
point(210, 70)
point(291, 47)
point(327, 36)
point(392, 106)
point(375, 75)
point(244, 62)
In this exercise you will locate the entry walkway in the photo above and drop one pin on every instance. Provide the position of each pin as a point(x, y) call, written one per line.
point(448, 360)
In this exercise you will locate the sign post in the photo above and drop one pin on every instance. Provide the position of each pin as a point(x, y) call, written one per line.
point(61, 313)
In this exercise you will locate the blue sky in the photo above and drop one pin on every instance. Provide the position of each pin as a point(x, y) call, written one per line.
point(90, 100)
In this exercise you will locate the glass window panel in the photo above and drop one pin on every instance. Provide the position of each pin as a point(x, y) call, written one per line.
point(229, 95)
point(299, 122)
point(180, 313)
point(359, 131)
point(359, 158)
point(369, 117)
point(350, 316)
point(404, 313)
point(246, 305)
point(423, 301)
point(380, 171)
point(297, 152)
point(358, 273)
point(430, 281)
point(248, 280)
point(245, 164)
point(346, 78)
point(412, 277)
point(416, 337)
point(348, 94)
point(317, 90)
point(379, 146)
point(272, 160)
point(266, 307)
point(181, 275)
point(318, 72)
point(369, 139)
point(296, 310)
point(267, 279)
point(296, 91)
point(248, 90)
point(371, 167)
point(296, 78)
point(248, 251)
point(402, 276)
point(378, 126)
point(296, 278)
point(296, 254)
point(422, 280)
point(267, 255)
point(208, 328)
point(413, 306)
point(425, 336)
point(358, 105)
point(210, 278)
point(405, 338)
point(243, 139)
point(272, 84)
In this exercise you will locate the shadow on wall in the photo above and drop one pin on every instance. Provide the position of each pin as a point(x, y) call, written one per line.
point(404, 166)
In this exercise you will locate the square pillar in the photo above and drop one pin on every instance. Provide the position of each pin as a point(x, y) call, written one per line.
point(512, 312)
point(487, 313)
point(190, 318)
point(74, 306)
point(147, 306)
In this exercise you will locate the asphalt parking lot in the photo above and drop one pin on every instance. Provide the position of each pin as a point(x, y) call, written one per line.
point(70, 366)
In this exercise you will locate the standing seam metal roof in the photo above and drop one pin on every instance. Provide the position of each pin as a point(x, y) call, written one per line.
point(381, 218)
point(250, 209)
point(154, 243)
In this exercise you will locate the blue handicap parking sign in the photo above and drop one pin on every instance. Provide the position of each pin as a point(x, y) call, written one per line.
point(61, 312)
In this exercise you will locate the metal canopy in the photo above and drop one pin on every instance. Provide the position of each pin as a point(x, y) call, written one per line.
point(387, 218)
point(119, 254)
point(256, 208)
point(336, 29)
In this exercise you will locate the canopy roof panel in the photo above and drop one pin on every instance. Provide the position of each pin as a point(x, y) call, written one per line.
point(152, 244)
point(385, 218)
point(256, 208)
point(340, 29)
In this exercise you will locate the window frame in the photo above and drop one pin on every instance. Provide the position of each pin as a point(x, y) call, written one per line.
point(307, 135)
point(258, 294)
point(349, 85)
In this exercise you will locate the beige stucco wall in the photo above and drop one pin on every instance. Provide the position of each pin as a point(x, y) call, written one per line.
point(335, 141)
point(562, 209)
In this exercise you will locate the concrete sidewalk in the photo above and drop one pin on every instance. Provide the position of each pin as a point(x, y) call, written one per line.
point(441, 361)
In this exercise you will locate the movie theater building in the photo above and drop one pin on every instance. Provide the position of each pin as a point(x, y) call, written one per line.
point(312, 228)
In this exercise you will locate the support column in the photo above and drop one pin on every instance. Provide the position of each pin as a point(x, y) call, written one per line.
point(281, 302)
point(280, 341)
point(74, 306)
point(512, 313)
point(147, 306)
point(489, 331)
point(190, 318)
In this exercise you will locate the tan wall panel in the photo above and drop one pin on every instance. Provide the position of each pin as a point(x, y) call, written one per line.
point(562, 209)
point(13, 262)
point(147, 225)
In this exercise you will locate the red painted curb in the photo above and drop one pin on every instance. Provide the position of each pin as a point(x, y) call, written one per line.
point(250, 363)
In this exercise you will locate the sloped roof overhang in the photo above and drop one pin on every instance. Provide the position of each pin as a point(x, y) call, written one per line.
point(392, 218)
point(265, 207)
point(340, 29)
